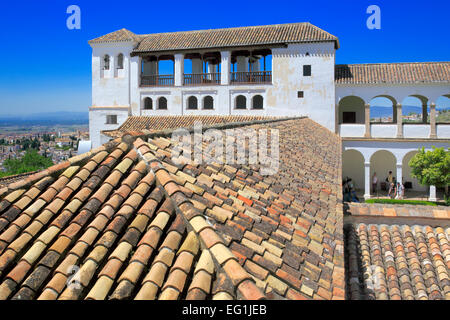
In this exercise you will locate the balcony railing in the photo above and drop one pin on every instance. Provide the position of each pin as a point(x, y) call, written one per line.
point(251, 77)
point(201, 79)
point(206, 79)
point(157, 80)
point(389, 130)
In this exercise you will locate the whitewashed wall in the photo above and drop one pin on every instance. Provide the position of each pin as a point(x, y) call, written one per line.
point(319, 90)
point(97, 123)
point(352, 130)
point(280, 98)
point(177, 100)
point(111, 87)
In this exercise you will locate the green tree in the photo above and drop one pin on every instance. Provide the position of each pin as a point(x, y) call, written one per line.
point(432, 167)
point(31, 161)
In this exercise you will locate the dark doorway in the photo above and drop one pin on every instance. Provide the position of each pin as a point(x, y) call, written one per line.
point(349, 117)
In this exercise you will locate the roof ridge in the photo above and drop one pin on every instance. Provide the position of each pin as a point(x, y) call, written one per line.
point(228, 28)
point(224, 259)
point(130, 34)
point(387, 63)
point(282, 33)
point(218, 125)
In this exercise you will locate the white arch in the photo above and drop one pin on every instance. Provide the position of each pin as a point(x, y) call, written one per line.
point(353, 166)
point(357, 106)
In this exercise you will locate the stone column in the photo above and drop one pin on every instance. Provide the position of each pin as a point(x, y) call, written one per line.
point(135, 78)
point(433, 121)
point(179, 70)
point(399, 172)
point(225, 67)
point(367, 120)
point(336, 116)
point(366, 180)
point(432, 194)
point(399, 121)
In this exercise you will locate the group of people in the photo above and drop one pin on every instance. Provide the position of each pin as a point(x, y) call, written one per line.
point(349, 191)
point(396, 189)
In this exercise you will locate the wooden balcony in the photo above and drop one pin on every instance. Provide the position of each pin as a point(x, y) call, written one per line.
point(251, 77)
point(195, 79)
point(166, 80)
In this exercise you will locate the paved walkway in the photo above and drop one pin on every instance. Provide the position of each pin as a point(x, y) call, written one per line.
point(409, 195)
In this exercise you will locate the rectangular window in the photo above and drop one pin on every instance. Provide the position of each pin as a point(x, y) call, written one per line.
point(300, 94)
point(111, 119)
point(307, 70)
point(349, 117)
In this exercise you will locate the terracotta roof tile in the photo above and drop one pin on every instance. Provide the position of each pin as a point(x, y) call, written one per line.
point(393, 73)
point(154, 124)
point(396, 262)
point(222, 38)
point(122, 226)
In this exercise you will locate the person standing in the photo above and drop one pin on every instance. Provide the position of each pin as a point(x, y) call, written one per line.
point(390, 181)
point(374, 183)
point(399, 191)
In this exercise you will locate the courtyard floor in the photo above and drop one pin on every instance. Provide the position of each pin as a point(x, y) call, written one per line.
point(409, 194)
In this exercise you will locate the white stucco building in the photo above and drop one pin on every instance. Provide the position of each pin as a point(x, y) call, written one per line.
point(275, 70)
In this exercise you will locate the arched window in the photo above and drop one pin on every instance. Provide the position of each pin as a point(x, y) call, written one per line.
point(257, 102)
point(208, 103)
point(148, 103)
point(106, 62)
point(241, 102)
point(162, 103)
point(383, 109)
point(120, 61)
point(192, 102)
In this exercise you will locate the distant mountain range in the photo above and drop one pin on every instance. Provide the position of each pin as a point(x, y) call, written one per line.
point(71, 118)
point(380, 112)
point(45, 119)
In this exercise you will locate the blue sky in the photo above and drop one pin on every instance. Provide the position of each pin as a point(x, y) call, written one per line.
point(47, 67)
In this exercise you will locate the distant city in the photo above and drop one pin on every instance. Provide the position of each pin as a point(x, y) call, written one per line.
point(33, 142)
point(410, 114)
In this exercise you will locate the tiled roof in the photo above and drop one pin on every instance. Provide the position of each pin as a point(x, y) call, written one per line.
point(397, 252)
point(394, 73)
point(398, 262)
point(137, 125)
point(284, 229)
point(110, 218)
point(10, 179)
point(223, 38)
point(140, 227)
point(118, 36)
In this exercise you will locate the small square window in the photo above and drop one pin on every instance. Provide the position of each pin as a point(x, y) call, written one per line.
point(111, 119)
point(300, 94)
point(307, 70)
